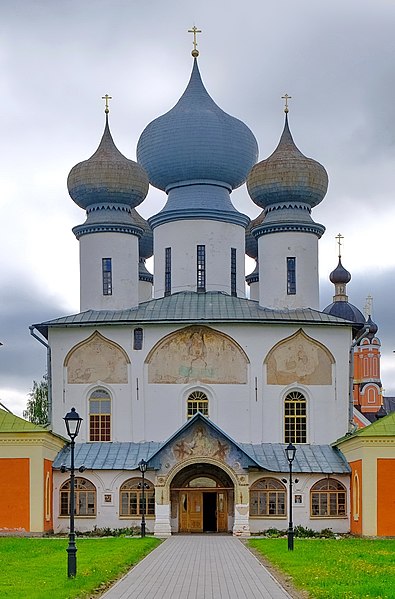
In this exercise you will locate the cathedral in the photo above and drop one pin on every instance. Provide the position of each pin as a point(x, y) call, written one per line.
point(184, 369)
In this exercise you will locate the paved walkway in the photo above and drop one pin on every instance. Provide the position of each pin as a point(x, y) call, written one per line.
point(198, 567)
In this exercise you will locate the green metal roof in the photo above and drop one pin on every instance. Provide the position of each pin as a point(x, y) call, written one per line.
point(13, 424)
point(192, 307)
point(385, 427)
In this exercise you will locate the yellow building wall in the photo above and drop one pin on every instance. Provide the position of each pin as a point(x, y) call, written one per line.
point(14, 494)
point(39, 451)
point(386, 497)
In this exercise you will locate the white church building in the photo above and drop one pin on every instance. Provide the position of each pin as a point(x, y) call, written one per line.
point(180, 368)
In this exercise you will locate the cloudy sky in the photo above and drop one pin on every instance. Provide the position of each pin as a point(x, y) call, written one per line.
point(59, 57)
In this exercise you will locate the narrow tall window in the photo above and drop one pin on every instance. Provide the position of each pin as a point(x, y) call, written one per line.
point(107, 276)
point(201, 268)
point(167, 271)
point(233, 271)
point(291, 276)
point(100, 416)
point(295, 419)
point(138, 338)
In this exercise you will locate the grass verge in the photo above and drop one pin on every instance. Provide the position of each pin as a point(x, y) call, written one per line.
point(37, 568)
point(335, 569)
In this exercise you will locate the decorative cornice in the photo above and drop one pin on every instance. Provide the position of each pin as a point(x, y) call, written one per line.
point(288, 206)
point(108, 206)
point(252, 278)
point(266, 229)
point(235, 218)
point(86, 229)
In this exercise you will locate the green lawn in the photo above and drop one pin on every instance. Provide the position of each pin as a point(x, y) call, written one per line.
point(37, 568)
point(335, 569)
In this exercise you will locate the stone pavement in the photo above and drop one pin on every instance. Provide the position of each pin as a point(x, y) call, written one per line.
point(198, 567)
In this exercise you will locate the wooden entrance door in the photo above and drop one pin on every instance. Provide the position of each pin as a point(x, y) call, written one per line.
point(191, 511)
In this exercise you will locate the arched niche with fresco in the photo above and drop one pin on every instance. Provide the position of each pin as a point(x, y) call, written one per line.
point(97, 359)
point(197, 353)
point(299, 359)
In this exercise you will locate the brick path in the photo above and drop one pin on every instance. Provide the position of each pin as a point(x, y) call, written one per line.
point(198, 567)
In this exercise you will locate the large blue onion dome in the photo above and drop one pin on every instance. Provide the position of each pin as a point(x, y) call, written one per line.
point(107, 177)
point(146, 241)
point(250, 240)
point(196, 142)
point(287, 176)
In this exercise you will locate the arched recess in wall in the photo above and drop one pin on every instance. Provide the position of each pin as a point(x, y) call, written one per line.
point(299, 359)
point(197, 353)
point(97, 359)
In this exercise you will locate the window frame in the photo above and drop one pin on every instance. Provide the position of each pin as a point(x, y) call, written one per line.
point(274, 493)
point(79, 492)
point(295, 424)
point(233, 272)
point(202, 403)
point(200, 268)
point(291, 275)
point(167, 290)
point(103, 419)
point(328, 497)
point(107, 276)
point(135, 488)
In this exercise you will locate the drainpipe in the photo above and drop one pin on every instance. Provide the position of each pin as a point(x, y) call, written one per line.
point(49, 373)
point(358, 338)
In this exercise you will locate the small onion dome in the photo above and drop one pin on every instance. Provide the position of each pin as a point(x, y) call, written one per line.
point(287, 176)
point(340, 274)
point(107, 177)
point(146, 241)
point(251, 241)
point(373, 328)
point(346, 311)
point(196, 141)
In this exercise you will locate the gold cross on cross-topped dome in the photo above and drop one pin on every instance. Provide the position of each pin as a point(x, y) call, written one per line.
point(286, 97)
point(339, 242)
point(106, 98)
point(195, 30)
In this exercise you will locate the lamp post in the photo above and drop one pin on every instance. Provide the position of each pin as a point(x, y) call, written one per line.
point(290, 453)
point(143, 470)
point(73, 423)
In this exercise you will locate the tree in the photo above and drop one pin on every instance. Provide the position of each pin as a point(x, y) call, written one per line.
point(37, 404)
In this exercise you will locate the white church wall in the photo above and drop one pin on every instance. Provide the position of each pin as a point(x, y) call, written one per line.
point(124, 252)
point(273, 250)
point(251, 412)
point(107, 484)
point(183, 237)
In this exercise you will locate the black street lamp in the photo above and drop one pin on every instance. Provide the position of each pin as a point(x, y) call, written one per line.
point(290, 453)
point(143, 470)
point(73, 423)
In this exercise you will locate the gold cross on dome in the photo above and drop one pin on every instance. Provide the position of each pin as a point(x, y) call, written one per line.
point(106, 98)
point(195, 30)
point(339, 242)
point(286, 97)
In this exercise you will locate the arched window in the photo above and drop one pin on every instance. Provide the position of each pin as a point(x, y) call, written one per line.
point(131, 498)
point(355, 496)
point(100, 416)
point(267, 498)
point(328, 499)
point(197, 402)
point(85, 498)
point(295, 418)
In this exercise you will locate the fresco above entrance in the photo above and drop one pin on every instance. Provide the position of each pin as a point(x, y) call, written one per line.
point(197, 354)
